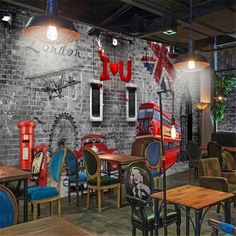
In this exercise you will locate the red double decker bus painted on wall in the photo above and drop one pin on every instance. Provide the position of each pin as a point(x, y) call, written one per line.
point(148, 128)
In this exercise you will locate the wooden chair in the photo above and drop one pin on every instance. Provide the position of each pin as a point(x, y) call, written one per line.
point(212, 177)
point(95, 180)
point(36, 168)
point(138, 148)
point(214, 149)
point(8, 207)
point(153, 157)
point(139, 186)
point(194, 153)
point(48, 194)
point(76, 176)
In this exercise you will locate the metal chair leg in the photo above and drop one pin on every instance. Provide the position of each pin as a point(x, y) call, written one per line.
point(133, 231)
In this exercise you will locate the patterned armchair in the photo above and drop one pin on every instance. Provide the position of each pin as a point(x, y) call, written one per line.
point(50, 193)
point(139, 186)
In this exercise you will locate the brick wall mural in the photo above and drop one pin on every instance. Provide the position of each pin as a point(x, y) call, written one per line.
point(38, 81)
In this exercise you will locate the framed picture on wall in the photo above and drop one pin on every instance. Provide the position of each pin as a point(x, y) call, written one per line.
point(131, 102)
point(96, 100)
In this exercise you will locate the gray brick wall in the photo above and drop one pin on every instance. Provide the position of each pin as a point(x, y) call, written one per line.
point(21, 100)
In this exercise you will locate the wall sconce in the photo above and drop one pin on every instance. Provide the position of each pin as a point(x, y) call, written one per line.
point(201, 106)
point(7, 19)
point(219, 98)
point(114, 42)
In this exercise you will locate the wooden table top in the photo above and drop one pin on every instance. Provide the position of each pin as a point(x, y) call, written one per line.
point(48, 226)
point(121, 159)
point(8, 173)
point(193, 196)
point(230, 149)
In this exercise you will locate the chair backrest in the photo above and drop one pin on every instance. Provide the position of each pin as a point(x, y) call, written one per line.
point(228, 161)
point(214, 149)
point(36, 166)
point(153, 157)
point(221, 226)
point(210, 167)
point(71, 163)
point(193, 151)
point(56, 167)
point(92, 163)
point(138, 148)
point(138, 183)
point(8, 207)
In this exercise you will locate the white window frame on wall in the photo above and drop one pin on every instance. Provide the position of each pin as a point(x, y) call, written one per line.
point(100, 85)
point(128, 118)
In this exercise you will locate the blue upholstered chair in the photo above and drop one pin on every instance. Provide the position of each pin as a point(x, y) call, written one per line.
point(217, 226)
point(76, 176)
point(153, 157)
point(48, 194)
point(8, 207)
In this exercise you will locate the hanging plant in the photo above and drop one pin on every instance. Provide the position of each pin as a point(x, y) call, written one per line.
point(224, 84)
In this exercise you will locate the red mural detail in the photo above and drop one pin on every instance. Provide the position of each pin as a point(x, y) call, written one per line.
point(113, 68)
point(126, 78)
point(105, 60)
point(161, 52)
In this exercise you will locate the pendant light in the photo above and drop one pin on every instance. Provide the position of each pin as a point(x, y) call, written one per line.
point(51, 28)
point(191, 62)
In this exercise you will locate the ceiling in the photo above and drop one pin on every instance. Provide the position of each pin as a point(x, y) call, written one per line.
point(147, 19)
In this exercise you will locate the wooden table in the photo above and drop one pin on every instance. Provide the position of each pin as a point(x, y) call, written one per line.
point(230, 149)
point(192, 197)
point(120, 160)
point(48, 226)
point(9, 174)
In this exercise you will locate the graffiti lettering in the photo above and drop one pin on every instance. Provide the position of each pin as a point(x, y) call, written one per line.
point(65, 50)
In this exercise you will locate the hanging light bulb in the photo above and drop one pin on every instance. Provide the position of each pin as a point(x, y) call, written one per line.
point(191, 62)
point(191, 65)
point(51, 28)
point(52, 33)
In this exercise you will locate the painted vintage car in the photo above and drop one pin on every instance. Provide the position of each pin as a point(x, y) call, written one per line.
point(97, 142)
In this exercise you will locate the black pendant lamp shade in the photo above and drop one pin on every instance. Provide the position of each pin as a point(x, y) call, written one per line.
point(191, 62)
point(51, 28)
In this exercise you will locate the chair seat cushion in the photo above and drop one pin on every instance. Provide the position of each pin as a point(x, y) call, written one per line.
point(105, 180)
point(41, 192)
point(136, 216)
point(82, 177)
point(154, 172)
point(171, 216)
